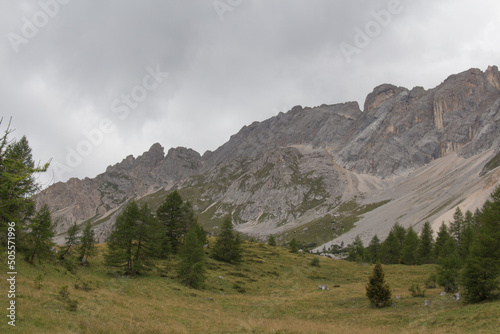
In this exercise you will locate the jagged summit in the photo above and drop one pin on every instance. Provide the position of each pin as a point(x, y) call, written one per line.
point(298, 167)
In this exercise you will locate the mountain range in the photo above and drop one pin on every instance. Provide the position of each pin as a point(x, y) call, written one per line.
point(319, 174)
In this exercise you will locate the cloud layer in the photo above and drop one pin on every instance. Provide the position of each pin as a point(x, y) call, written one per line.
point(70, 66)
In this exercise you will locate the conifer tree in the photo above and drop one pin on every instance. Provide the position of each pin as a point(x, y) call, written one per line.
point(449, 266)
point(377, 290)
point(176, 218)
point(390, 251)
point(410, 248)
point(271, 241)
point(294, 246)
point(400, 233)
point(468, 233)
point(192, 260)
point(482, 269)
point(71, 240)
point(456, 227)
point(87, 242)
point(356, 250)
point(202, 235)
point(227, 246)
point(373, 249)
point(425, 249)
point(442, 238)
point(39, 236)
point(17, 185)
point(132, 245)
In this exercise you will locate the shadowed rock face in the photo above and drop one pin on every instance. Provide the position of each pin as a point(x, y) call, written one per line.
point(300, 164)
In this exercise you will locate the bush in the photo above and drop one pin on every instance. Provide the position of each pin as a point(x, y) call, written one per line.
point(72, 304)
point(63, 292)
point(315, 262)
point(38, 281)
point(82, 284)
point(416, 291)
point(431, 282)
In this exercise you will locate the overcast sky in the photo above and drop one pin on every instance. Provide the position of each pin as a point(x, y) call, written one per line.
point(192, 73)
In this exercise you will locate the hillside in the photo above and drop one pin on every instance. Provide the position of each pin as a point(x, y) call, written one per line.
point(272, 291)
point(323, 173)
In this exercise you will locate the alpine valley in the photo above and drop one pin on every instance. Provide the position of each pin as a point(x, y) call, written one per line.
point(321, 175)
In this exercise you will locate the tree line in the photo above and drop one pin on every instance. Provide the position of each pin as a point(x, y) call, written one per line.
point(138, 240)
point(467, 251)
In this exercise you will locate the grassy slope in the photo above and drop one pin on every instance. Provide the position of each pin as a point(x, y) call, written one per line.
point(273, 291)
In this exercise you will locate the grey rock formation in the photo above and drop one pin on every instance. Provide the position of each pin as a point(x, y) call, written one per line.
point(300, 166)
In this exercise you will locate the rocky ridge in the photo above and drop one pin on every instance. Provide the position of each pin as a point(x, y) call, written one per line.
point(301, 166)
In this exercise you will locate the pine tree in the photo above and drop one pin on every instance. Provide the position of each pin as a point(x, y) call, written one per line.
point(294, 246)
point(87, 244)
point(456, 227)
point(410, 248)
point(449, 266)
point(400, 233)
point(176, 218)
point(202, 235)
point(390, 251)
point(39, 238)
point(482, 269)
point(356, 250)
point(392, 247)
point(425, 249)
point(271, 241)
point(227, 246)
point(442, 238)
point(468, 232)
point(373, 249)
point(71, 240)
point(192, 260)
point(133, 243)
point(17, 185)
point(377, 290)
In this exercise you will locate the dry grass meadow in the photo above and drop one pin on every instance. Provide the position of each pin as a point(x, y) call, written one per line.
point(272, 291)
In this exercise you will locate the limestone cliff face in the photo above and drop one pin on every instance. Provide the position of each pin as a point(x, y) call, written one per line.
point(78, 200)
point(300, 165)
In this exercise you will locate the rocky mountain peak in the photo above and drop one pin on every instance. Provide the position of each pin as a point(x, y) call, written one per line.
point(379, 95)
point(298, 166)
point(153, 156)
point(493, 76)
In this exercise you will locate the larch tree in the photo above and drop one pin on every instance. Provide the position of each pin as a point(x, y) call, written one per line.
point(18, 184)
point(425, 249)
point(481, 274)
point(410, 248)
point(191, 267)
point(70, 241)
point(227, 246)
point(38, 241)
point(87, 243)
point(176, 218)
point(133, 242)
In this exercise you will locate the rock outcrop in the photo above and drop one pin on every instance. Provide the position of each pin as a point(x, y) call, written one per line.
point(301, 166)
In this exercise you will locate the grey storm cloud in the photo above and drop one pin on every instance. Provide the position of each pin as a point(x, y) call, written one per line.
point(78, 77)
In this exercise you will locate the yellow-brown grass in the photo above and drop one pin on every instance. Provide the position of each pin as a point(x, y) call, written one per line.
point(272, 291)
